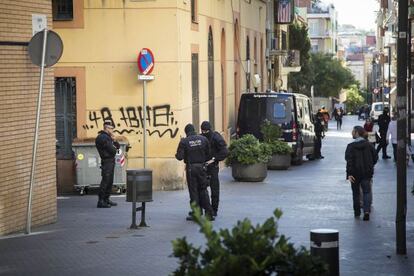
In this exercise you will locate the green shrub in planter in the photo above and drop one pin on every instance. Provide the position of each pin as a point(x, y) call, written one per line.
point(244, 250)
point(270, 131)
point(248, 151)
point(271, 135)
point(280, 148)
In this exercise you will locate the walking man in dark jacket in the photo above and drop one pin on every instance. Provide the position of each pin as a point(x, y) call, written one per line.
point(383, 122)
point(195, 151)
point(218, 152)
point(361, 158)
point(319, 135)
point(107, 148)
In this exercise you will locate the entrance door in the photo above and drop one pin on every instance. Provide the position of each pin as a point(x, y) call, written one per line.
point(65, 110)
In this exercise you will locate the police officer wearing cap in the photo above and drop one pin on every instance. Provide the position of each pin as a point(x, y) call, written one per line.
point(107, 149)
point(195, 151)
point(218, 152)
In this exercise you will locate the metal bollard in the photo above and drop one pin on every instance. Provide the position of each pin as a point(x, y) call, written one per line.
point(325, 244)
point(139, 189)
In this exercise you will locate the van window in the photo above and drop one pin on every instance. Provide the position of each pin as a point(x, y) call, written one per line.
point(306, 111)
point(279, 111)
point(299, 107)
point(378, 107)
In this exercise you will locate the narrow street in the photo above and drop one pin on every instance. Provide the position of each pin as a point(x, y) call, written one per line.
point(91, 241)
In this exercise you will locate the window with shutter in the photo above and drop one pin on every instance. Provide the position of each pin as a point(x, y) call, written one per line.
point(65, 109)
point(195, 90)
point(211, 96)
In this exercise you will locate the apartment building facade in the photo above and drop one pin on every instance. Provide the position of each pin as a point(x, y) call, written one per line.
point(206, 54)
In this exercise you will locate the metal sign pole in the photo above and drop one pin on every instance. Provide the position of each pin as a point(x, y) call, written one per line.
point(145, 123)
point(400, 220)
point(36, 136)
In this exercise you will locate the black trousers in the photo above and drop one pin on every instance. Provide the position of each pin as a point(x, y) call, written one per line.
point(382, 144)
point(363, 185)
point(394, 151)
point(213, 171)
point(339, 123)
point(197, 186)
point(107, 172)
point(318, 146)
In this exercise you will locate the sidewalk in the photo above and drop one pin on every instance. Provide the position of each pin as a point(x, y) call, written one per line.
point(91, 241)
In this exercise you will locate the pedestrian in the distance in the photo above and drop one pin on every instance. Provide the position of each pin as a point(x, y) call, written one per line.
point(361, 158)
point(392, 132)
point(218, 152)
point(107, 149)
point(195, 151)
point(338, 117)
point(383, 122)
point(319, 135)
point(369, 128)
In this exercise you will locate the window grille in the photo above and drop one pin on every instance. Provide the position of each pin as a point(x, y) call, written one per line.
point(62, 10)
point(65, 108)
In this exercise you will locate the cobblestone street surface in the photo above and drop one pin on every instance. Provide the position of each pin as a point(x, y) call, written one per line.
point(91, 241)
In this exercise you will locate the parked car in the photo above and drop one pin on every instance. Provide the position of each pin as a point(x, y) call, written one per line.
point(292, 112)
point(377, 109)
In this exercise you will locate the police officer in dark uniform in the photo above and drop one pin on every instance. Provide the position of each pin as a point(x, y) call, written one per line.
point(218, 152)
point(107, 148)
point(383, 122)
point(319, 133)
point(195, 150)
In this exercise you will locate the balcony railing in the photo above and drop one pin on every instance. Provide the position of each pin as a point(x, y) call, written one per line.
point(292, 59)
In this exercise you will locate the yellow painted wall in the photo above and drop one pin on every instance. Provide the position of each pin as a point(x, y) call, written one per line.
point(107, 47)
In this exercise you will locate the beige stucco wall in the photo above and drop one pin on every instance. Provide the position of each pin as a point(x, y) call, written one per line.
point(107, 47)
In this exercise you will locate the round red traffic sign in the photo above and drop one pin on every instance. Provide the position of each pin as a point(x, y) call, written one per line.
point(145, 61)
point(376, 90)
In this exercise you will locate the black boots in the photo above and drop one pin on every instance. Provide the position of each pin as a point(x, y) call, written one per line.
point(110, 202)
point(107, 203)
point(103, 204)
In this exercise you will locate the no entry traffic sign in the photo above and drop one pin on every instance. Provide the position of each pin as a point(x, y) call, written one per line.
point(145, 61)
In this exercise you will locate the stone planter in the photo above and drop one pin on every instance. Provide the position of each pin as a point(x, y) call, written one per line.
point(249, 173)
point(279, 162)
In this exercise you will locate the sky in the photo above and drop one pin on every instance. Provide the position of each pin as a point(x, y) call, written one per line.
point(360, 13)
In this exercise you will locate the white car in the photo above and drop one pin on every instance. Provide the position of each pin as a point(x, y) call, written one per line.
point(377, 109)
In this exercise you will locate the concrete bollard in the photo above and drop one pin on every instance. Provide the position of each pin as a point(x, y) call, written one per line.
point(325, 244)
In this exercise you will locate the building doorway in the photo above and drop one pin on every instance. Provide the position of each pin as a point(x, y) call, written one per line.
point(65, 112)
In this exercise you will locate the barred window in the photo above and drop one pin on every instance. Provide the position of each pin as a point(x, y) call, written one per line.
point(62, 10)
point(65, 108)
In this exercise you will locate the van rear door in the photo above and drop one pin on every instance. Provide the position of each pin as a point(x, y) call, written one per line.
point(279, 112)
point(252, 113)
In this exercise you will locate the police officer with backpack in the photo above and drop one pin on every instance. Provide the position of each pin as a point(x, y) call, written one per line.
point(195, 151)
point(218, 152)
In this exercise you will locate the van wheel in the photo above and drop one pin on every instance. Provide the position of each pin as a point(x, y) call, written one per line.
point(310, 157)
point(298, 160)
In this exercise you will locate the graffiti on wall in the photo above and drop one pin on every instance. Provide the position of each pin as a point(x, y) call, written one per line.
point(129, 120)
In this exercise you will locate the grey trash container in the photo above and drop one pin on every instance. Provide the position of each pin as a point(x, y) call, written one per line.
point(88, 166)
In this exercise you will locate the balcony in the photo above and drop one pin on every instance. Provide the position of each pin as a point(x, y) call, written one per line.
point(291, 62)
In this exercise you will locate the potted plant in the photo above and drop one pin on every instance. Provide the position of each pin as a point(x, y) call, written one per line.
point(281, 151)
point(248, 159)
point(244, 249)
